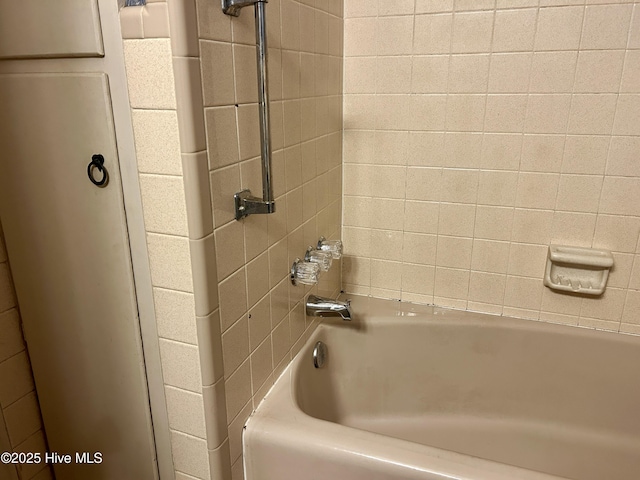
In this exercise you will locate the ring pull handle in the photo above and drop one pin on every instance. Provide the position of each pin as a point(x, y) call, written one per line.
point(97, 163)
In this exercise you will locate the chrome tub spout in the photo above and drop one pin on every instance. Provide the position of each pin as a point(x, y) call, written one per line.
point(325, 307)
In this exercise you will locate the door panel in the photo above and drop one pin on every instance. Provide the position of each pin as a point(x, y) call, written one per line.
point(45, 29)
point(70, 258)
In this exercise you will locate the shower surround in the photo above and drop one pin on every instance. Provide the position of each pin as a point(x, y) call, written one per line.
point(476, 133)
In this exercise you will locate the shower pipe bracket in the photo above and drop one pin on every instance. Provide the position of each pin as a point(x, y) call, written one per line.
point(246, 204)
point(233, 7)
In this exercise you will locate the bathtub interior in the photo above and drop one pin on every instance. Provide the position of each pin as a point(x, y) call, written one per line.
point(554, 399)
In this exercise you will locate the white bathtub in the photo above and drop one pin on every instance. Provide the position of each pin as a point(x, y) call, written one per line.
point(414, 392)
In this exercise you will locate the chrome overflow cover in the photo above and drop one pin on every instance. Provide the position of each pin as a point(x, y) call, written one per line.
point(319, 354)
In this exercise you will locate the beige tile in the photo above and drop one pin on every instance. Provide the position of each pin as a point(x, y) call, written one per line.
point(468, 73)
point(472, 32)
point(257, 278)
point(634, 34)
point(360, 9)
point(620, 195)
point(459, 186)
point(281, 340)
point(217, 68)
point(561, 302)
point(423, 183)
point(487, 287)
point(185, 411)
point(456, 219)
point(421, 217)
point(609, 306)
point(190, 455)
point(425, 112)
point(294, 209)
point(493, 223)
point(542, 153)
point(277, 222)
point(579, 193)
point(235, 345)
point(497, 188)
point(225, 183)
point(425, 149)
point(175, 275)
point(279, 302)
point(290, 24)
point(387, 213)
point(131, 22)
point(210, 348)
point(617, 233)
point(163, 204)
point(465, 113)
point(249, 131)
point(461, 5)
point(505, 113)
point(553, 72)
point(291, 74)
point(359, 36)
point(418, 279)
point(155, 20)
point(429, 74)
point(631, 75)
point(569, 228)
point(499, 151)
point(606, 26)
point(360, 75)
point(157, 141)
point(245, 73)
point(229, 248)
point(235, 432)
point(490, 256)
point(184, 34)
point(22, 419)
point(222, 138)
point(150, 73)
point(559, 28)
point(514, 30)
point(356, 270)
point(238, 389)
point(547, 113)
point(260, 321)
point(431, 6)
point(592, 114)
point(585, 154)
point(180, 365)
point(261, 366)
point(400, 28)
point(385, 274)
point(419, 248)
point(532, 226)
point(454, 252)
point(233, 298)
point(215, 414)
point(622, 158)
point(527, 260)
point(631, 308)
point(197, 191)
point(359, 112)
point(386, 244)
point(627, 121)
point(393, 74)
point(523, 293)
point(537, 190)
point(432, 33)
point(621, 271)
point(175, 315)
point(451, 283)
point(599, 71)
point(213, 24)
point(509, 73)
point(16, 379)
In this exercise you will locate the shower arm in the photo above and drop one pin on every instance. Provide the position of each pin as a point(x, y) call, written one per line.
point(245, 203)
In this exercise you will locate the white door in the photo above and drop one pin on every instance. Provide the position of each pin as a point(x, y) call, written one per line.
point(69, 254)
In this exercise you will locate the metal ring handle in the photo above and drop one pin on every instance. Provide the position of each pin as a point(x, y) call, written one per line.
point(97, 162)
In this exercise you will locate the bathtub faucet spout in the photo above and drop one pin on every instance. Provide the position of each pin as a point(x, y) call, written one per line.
point(325, 307)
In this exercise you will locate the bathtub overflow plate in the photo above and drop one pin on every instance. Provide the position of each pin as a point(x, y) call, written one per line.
point(319, 354)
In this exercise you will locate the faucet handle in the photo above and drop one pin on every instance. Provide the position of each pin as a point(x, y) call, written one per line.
point(305, 273)
point(333, 247)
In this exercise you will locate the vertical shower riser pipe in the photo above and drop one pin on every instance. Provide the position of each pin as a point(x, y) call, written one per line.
point(245, 203)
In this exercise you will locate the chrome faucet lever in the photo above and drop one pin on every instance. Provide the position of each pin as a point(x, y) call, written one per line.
point(325, 307)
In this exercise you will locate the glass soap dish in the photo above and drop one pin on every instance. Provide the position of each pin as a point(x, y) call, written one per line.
point(577, 270)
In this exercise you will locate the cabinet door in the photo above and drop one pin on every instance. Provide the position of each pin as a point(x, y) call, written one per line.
point(70, 258)
point(47, 29)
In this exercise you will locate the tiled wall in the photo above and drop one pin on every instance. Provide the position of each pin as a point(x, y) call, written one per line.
point(20, 420)
point(262, 314)
point(197, 143)
point(477, 132)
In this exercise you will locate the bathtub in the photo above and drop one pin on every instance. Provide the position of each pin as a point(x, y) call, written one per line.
point(416, 392)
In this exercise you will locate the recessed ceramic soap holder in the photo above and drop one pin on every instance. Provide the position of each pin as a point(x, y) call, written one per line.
point(578, 270)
